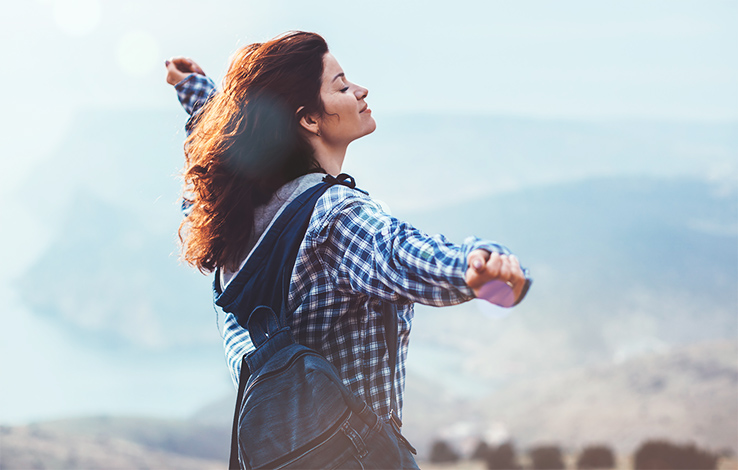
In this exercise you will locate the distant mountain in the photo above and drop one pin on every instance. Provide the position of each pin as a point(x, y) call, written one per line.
point(620, 267)
point(111, 273)
point(117, 281)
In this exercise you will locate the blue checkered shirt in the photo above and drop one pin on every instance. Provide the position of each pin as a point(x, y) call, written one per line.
point(355, 255)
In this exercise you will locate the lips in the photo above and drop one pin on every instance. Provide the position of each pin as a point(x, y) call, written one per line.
point(366, 106)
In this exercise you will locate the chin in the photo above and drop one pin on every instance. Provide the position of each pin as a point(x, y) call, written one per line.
point(371, 127)
point(367, 129)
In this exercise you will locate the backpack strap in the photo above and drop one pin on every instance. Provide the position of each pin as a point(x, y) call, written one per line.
point(265, 278)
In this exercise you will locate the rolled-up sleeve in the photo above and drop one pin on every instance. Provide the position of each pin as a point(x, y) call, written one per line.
point(194, 91)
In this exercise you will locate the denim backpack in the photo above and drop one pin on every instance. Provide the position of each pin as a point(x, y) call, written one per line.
point(293, 410)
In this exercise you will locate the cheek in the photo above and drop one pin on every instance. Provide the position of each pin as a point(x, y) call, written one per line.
point(343, 108)
point(334, 103)
point(341, 112)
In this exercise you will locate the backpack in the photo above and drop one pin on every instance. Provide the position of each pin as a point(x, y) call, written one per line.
point(293, 410)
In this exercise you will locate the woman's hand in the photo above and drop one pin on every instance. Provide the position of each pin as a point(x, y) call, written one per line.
point(178, 68)
point(485, 267)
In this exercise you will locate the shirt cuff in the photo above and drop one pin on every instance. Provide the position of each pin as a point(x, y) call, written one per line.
point(193, 91)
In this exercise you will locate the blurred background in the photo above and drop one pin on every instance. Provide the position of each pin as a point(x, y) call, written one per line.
point(598, 140)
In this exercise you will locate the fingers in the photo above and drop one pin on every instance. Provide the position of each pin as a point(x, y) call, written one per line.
point(505, 268)
point(175, 71)
point(476, 262)
point(499, 267)
point(197, 69)
point(517, 277)
point(186, 65)
point(496, 267)
point(178, 68)
point(477, 259)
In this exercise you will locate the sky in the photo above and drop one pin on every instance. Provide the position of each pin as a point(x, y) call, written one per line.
point(623, 60)
point(672, 59)
point(628, 59)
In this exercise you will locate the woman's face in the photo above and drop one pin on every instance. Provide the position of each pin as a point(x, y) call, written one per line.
point(347, 116)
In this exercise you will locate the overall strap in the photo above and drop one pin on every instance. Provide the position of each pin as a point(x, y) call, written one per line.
point(389, 318)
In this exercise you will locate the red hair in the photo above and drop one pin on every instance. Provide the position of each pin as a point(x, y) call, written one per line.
point(246, 143)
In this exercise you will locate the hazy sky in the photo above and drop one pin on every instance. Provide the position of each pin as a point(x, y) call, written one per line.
point(574, 58)
point(658, 59)
point(673, 59)
point(669, 58)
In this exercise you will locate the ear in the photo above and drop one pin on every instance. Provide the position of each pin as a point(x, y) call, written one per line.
point(309, 122)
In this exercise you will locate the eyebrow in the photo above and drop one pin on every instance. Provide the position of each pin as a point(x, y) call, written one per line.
point(336, 77)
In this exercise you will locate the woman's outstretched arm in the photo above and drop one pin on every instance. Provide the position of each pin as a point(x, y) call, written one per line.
point(368, 251)
point(193, 87)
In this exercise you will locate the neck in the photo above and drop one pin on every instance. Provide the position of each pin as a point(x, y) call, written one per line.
point(330, 157)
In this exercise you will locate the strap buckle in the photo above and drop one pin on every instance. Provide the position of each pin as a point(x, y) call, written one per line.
point(396, 424)
point(395, 419)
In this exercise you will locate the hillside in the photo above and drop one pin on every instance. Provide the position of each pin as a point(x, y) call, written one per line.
point(66, 446)
point(684, 394)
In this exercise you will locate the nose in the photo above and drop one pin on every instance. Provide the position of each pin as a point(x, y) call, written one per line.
point(361, 92)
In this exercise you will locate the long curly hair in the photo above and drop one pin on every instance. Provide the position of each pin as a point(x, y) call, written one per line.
point(247, 142)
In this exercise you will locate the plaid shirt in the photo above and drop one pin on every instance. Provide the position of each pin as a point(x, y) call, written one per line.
point(353, 256)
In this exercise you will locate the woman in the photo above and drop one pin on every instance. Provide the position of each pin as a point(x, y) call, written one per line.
point(284, 118)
